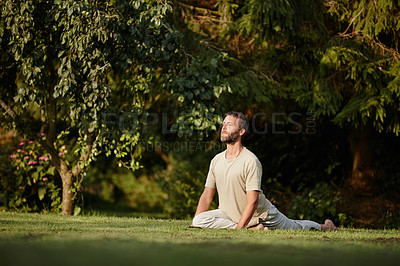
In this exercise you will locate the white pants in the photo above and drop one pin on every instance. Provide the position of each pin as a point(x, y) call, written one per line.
point(275, 220)
point(213, 219)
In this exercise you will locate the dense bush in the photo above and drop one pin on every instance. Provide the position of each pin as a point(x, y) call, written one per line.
point(183, 182)
point(316, 204)
point(113, 189)
point(183, 190)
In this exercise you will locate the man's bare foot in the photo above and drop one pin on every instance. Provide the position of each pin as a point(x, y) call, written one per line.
point(328, 226)
point(259, 227)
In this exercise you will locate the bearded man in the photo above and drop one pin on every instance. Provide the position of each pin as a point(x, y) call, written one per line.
point(236, 174)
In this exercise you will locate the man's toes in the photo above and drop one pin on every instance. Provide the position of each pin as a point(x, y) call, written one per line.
point(330, 225)
point(260, 227)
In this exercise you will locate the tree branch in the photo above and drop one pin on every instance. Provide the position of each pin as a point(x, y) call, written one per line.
point(210, 8)
point(8, 110)
point(351, 22)
point(84, 157)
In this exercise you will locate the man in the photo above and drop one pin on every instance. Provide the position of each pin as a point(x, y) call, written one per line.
point(236, 174)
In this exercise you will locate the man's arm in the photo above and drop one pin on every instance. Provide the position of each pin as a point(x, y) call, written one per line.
point(251, 206)
point(205, 200)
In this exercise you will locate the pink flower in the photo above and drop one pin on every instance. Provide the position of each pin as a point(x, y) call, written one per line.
point(30, 142)
point(26, 157)
point(13, 156)
point(45, 179)
point(61, 153)
point(21, 143)
point(32, 162)
point(21, 151)
point(43, 158)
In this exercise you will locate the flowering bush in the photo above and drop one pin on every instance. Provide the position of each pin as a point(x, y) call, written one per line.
point(28, 180)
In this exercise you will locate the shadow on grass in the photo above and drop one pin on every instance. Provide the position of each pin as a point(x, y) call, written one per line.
point(95, 206)
point(222, 252)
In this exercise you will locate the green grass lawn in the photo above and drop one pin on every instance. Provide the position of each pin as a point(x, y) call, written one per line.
point(44, 239)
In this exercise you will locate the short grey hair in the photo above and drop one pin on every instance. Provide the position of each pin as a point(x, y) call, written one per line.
point(243, 123)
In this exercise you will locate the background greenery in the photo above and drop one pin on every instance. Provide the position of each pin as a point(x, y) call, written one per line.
point(127, 96)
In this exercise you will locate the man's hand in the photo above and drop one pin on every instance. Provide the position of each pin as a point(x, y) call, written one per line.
point(251, 206)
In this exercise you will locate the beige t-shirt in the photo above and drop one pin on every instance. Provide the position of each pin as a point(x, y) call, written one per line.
point(232, 178)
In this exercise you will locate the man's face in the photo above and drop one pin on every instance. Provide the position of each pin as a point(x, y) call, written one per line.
point(230, 131)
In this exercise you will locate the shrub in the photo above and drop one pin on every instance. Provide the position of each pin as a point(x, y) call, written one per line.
point(28, 180)
point(315, 204)
point(183, 190)
point(183, 184)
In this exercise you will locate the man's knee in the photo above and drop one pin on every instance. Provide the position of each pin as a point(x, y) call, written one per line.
point(201, 220)
point(213, 219)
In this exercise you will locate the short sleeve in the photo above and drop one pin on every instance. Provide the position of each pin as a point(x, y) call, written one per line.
point(253, 175)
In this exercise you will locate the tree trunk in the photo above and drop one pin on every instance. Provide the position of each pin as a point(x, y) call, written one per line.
point(67, 195)
point(363, 176)
point(66, 175)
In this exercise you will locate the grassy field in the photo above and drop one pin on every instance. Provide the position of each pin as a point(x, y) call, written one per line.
point(41, 239)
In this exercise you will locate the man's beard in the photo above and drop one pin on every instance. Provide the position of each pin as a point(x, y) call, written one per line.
point(230, 138)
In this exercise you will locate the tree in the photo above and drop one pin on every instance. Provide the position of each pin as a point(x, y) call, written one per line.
point(87, 68)
point(357, 81)
point(336, 59)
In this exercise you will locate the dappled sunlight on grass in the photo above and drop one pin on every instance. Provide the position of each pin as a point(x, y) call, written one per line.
point(46, 239)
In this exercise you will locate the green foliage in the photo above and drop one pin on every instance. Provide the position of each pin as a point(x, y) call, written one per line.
point(78, 61)
point(183, 183)
point(328, 59)
point(197, 88)
point(98, 68)
point(357, 80)
point(183, 189)
point(110, 185)
point(28, 180)
point(241, 75)
point(81, 42)
point(339, 61)
point(373, 18)
point(272, 17)
point(63, 52)
point(280, 20)
point(370, 93)
point(315, 204)
point(345, 220)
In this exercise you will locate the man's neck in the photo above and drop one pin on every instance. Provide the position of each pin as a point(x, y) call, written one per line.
point(233, 150)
